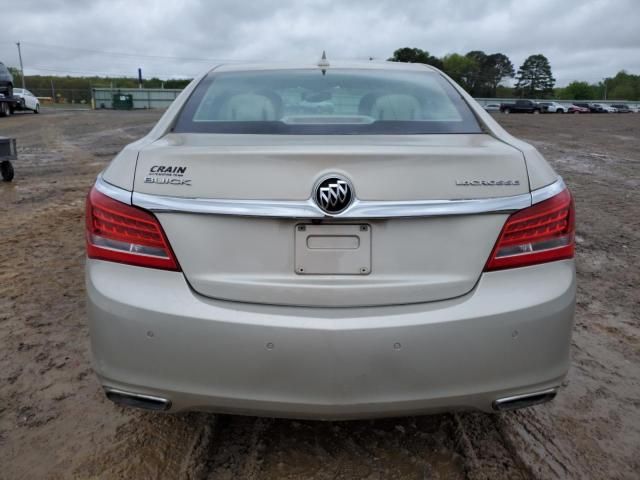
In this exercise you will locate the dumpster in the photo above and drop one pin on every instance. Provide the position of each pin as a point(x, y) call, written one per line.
point(122, 101)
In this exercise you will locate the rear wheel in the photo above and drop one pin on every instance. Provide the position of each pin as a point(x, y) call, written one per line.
point(4, 109)
point(507, 110)
point(37, 109)
point(6, 169)
point(559, 110)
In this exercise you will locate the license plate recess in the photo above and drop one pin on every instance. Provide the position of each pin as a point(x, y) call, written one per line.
point(333, 249)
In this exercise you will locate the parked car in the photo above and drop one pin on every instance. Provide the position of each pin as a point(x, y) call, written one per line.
point(621, 107)
point(492, 107)
point(605, 108)
point(635, 108)
point(553, 107)
point(589, 107)
point(521, 106)
point(26, 100)
point(578, 109)
point(397, 254)
point(6, 81)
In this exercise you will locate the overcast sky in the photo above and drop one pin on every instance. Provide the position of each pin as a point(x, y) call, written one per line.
point(583, 39)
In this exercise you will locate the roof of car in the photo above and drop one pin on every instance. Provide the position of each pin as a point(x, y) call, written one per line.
point(341, 64)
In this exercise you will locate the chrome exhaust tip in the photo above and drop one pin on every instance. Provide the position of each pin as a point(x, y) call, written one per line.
point(524, 400)
point(137, 400)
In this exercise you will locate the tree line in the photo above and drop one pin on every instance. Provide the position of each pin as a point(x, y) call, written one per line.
point(80, 87)
point(624, 86)
point(478, 73)
point(482, 75)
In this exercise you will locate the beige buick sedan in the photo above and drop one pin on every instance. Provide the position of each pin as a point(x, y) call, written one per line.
point(329, 241)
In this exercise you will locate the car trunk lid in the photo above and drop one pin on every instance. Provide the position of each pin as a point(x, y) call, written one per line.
point(328, 261)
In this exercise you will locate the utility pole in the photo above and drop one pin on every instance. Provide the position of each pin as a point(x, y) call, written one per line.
point(21, 67)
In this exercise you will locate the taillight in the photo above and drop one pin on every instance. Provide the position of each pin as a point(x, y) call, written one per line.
point(541, 233)
point(121, 233)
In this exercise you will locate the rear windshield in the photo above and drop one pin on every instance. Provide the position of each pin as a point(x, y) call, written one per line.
point(338, 102)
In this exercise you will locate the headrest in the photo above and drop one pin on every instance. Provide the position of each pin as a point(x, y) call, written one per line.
point(396, 107)
point(249, 107)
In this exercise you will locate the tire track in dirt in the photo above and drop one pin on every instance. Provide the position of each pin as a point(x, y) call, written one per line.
point(403, 448)
point(234, 448)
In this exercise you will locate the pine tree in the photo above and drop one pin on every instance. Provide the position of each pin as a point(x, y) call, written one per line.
point(534, 77)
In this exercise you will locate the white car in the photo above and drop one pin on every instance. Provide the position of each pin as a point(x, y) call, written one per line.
point(492, 107)
point(27, 100)
point(554, 107)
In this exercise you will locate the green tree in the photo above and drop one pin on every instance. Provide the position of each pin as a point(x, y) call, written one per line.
point(534, 77)
point(17, 76)
point(477, 81)
point(505, 92)
point(578, 91)
point(624, 86)
point(462, 69)
point(490, 71)
point(415, 55)
point(498, 67)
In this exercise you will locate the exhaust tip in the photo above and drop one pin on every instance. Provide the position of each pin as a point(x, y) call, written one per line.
point(137, 400)
point(524, 400)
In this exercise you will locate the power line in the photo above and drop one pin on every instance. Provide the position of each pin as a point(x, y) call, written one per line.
point(123, 54)
point(94, 73)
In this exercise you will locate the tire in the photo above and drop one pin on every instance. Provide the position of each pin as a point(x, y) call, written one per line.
point(559, 110)
point(4, 109)
point(6, 169)
point(506, 110)
point(37, 109)
point(576, 112)
point(536, 112)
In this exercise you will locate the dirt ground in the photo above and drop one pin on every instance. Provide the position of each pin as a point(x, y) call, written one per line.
point(55, 422)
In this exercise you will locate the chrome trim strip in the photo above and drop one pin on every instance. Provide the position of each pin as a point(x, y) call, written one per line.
point(164, 402)
point(547, 192)
point(507, 403)
point(247, 208)
point(432, 208)
point(308, 209)
point(117, 193)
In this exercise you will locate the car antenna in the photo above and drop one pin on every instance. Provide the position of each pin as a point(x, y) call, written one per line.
point(324, 63)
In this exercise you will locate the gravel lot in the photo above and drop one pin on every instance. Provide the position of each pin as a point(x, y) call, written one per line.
point(56, 423)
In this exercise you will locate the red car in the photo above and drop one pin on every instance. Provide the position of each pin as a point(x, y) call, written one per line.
point(577, 109)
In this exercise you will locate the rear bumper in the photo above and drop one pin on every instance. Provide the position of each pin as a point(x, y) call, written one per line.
point(152, 335)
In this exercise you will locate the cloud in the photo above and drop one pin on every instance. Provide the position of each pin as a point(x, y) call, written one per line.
point(584, 40)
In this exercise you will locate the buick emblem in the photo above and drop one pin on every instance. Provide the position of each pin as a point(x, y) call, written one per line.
point(333, 194)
